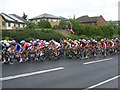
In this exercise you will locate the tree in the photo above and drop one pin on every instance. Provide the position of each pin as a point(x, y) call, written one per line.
point(62, 24)
point(44, 24)
point(31, 26)
point(77, 26)
point(24, 16)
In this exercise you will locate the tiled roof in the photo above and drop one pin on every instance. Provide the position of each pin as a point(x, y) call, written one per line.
point(48, 16)
point(20, 18)
point(12, 18)
point(87, 19)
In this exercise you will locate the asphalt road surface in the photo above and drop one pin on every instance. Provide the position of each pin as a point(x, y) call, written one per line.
point(64, 73)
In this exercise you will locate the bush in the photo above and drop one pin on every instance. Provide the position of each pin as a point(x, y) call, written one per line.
point(31, 26)
point(9, 38)
point(44, 24)
point(28, 39)
point(83, 37)
point(32, 34)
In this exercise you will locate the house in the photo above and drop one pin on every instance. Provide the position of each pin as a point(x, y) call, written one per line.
point(93, 21)
point(11, 21)
point(117, 23)
point(54, 20)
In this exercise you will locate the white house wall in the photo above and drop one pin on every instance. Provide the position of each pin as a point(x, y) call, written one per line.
point(12, 25)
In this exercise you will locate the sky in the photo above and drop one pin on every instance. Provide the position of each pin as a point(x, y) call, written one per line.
point(65, 8)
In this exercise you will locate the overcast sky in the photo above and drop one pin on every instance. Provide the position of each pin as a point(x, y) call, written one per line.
point(65, 8)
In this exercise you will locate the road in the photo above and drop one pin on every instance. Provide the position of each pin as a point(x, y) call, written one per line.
point(64, 73)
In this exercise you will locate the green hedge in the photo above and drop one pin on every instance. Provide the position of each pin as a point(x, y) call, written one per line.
point(38, 34)
point(28, 34)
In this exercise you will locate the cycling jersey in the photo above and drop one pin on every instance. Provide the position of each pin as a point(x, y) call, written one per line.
point(26, 46)
point(57, 44)
point(103, 44)
point(111, 43)
point(74, 43)
point(84, 44)
point(18, 46)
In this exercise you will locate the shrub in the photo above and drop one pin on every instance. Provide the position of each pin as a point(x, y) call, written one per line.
point(9, 38)
point(29, 34)
point(84, 37)
point(44, 24)
point(28, 39)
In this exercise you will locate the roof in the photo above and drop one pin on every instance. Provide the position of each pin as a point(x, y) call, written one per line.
point(12, 18)
point(45, 15)
point(63, 18)
point(87, 19)
point(20, 18)
point(116, 22)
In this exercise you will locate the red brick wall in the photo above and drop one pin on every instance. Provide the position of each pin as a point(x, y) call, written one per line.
point(101, 21)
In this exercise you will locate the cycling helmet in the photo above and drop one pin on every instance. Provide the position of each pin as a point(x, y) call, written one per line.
point(79, 39)
point(116, 38)
point(88, 40)
point(31, 41)
point(41, 40)
point(102, 39)
point(52, 41)
point(23, 41)
point(76, 40)
point(37, 39)
point(112, 39)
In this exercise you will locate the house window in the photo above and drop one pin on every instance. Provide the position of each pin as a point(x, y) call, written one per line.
point(9, 24)
point(51, 20)
point(92, 24)
point(3, 24)
point(14, 25)
point(18, 25)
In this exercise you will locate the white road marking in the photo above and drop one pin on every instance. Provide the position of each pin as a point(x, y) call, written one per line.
point(96, 85)
point(97, 61)
point(29, 74)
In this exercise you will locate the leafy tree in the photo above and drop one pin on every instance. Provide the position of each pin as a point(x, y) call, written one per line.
point(24, 16)
point(62, 24)
point(44, 24)
point(31, 26)
point(76, 26)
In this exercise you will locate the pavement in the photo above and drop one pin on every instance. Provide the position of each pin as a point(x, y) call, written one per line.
point(63, 73)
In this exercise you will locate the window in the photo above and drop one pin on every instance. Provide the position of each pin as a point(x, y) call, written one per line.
point(9, 24)
point(92, 24)
point(14, 25)
point(18, 25)
point(51, 20)
point(3, 24)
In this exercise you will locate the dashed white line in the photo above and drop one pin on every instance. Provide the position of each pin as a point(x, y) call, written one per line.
point(96, 85)
point(97, 61)
point(30, 74)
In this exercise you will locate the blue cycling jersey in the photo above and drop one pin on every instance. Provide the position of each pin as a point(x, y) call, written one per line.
point(19, 47)
point(36, 44)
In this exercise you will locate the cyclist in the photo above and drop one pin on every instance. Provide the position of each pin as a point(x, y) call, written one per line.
point(16, 47)
point(25, 47)
point(104, 46)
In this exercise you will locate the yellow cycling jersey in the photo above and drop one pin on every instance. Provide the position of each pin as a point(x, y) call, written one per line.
point(6, 41)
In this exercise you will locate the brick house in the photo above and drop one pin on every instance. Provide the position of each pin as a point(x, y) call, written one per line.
point(93, 21)
point(54, 20)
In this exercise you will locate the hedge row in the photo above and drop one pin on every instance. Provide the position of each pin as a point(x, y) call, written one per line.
point(27, 34)
point(37, 34)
